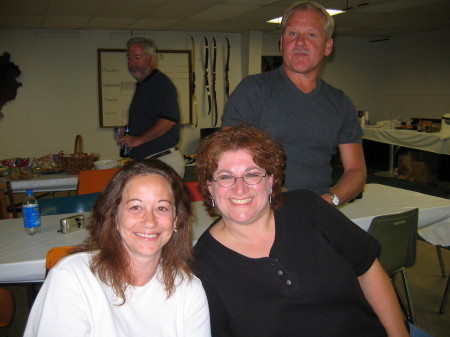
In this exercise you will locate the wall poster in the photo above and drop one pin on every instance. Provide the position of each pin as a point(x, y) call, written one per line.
point(116, 85)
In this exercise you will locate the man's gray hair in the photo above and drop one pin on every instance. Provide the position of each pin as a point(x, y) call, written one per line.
point(150, 45)
point(309, 5)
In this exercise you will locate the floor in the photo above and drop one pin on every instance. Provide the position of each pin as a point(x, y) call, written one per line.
point(425, 280)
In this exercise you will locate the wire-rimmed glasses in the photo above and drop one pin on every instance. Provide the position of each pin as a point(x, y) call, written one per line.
point(251, 178)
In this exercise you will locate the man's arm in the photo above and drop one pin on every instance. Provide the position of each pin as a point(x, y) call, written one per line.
point(159, 128)
point(380, 294)
point(354, 177)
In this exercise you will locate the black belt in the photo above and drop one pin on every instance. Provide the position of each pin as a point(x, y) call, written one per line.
point(161, 154)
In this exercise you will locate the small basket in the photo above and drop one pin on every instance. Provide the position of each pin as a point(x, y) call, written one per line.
point(79, 160)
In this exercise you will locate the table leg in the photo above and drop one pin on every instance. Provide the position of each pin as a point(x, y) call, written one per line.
point(390, 173)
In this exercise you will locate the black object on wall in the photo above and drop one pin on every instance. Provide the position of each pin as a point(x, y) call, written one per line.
point(8, 80)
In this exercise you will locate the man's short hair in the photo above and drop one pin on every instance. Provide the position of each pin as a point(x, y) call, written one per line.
point(150, 45)
point(309, 5)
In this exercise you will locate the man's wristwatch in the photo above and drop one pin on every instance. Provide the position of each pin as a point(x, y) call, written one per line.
point(334, 198)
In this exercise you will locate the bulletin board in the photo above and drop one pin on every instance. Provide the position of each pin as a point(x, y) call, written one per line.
point(116, 85)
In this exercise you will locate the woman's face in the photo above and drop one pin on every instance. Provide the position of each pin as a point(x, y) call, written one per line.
point(241, 203)
point(146, 217)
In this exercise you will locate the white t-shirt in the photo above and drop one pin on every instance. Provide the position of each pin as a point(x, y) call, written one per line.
point(73, 302)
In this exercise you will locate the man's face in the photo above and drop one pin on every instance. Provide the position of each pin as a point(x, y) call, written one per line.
point(303, 43)
point(140, 64)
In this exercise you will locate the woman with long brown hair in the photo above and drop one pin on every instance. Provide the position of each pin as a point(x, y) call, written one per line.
point(131, 277)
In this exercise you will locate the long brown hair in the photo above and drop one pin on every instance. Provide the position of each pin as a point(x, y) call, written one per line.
point(111, 262)
point(265, 151)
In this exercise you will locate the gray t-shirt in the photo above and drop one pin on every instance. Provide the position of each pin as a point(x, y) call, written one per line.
point(308, 126)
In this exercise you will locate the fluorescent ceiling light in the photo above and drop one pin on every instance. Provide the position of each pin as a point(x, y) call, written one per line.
point(330, 11)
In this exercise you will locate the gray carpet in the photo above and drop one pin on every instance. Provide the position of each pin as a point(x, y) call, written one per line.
point(427, 289)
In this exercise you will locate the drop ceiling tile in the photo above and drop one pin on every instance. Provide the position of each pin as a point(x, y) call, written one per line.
point(124, 9)
point(23, 7)
point(73, 8)
point(151, 24)
point(64, 22)
point(191, 25)
point(25, 21)
point(262, 14)
point(223, 12)
point(109, 23)
point(182, 9)
point(250, 2)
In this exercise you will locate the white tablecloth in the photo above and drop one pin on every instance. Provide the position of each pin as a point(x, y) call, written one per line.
point(433, 142)
point(22, 257)
point(434, 212)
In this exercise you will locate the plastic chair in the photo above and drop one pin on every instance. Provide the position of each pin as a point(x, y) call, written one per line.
point(54, 255)
point(397, 235)
point(193, 189)
point(6, 310)
point(6, 186)
point(445, 297)
point(72, 204)
point(90, 181)
point(446, 291)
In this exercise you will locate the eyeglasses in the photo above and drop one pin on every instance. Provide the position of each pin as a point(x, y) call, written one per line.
point(251, 178)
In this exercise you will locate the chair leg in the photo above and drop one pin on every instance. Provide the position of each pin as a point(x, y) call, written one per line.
point(410, 317)
point(445, 297)
point(400, 300)
point(441, 261)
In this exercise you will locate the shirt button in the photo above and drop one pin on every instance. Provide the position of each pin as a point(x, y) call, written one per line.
point(288, 282)
point(280, 272)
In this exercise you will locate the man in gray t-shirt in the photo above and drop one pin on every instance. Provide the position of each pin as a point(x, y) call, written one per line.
point(306, 115)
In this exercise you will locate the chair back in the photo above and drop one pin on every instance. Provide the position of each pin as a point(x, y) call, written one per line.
point(6, 190)
point(3, 207)
point(90, 181)
point(397, 235)
point(54, 255)
point(6, 308)
point(194, 191)
point(72, 204)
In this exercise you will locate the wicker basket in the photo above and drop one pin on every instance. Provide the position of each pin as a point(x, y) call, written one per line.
point(79, 160)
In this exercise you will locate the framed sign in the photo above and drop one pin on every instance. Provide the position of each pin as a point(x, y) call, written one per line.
point(116, 85)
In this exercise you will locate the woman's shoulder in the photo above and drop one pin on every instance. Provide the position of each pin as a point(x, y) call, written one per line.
point(188, 283)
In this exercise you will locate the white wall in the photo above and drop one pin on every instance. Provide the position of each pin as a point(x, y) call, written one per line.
point(59, 96)
point(418, 75)
point(407, 75)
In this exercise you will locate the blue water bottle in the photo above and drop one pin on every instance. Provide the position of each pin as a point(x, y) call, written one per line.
point(31, 214)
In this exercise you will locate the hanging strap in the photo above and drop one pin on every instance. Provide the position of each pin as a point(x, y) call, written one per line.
point(193, 95)
point(208, 92)
point(227, 69)
point(213, 85)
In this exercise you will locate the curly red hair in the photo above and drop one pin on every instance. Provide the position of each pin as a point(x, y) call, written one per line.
point(266, 153)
